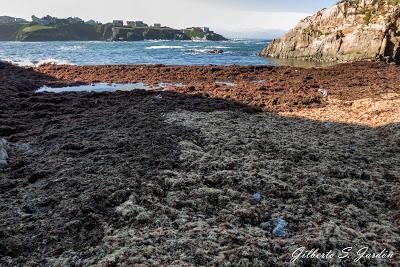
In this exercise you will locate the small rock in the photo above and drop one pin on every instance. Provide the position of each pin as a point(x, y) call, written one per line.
point(216, 51)
point(279, 230)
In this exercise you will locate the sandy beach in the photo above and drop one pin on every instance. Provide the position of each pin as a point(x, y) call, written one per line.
point(169, 177)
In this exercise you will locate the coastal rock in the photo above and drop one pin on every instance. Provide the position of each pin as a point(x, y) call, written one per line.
point(348, 31)
point(3, 153)
point(216, 51)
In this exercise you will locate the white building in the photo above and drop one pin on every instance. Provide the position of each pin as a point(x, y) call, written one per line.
point(118, 23)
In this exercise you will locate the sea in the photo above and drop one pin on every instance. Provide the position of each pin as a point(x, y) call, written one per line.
point(236, 52)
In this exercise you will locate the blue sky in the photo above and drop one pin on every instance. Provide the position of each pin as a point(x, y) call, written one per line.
point(258, 18)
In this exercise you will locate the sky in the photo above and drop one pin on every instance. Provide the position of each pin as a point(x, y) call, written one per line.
point(233, 18)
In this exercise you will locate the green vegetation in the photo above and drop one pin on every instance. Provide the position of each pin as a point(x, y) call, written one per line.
point(368, 17)
point(34, 28)
point(195, 33)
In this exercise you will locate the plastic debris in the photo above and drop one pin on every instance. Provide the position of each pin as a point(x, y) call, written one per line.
point(257, 197)
point(324, 92)
point(279, 230)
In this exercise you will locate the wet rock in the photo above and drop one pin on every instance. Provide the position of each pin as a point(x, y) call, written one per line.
point(3, 154)
point(216, 51)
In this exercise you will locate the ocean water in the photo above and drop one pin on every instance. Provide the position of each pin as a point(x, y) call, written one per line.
point(239, 52)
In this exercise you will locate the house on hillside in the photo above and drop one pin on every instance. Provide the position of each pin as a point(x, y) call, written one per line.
point(118, 23)
point(7, 19)
point(157, 25)
point(75, 20)
point(131, 23)
point(140, 23)
point(20, 20)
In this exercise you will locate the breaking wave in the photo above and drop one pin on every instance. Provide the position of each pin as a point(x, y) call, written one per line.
point(24, 62)
point(164, 47)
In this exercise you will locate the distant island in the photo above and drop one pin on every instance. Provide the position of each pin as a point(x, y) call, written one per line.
point(50, 28)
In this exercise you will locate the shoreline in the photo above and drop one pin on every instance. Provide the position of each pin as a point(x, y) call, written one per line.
point(169, 177)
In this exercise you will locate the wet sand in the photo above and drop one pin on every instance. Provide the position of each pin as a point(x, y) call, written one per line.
point(168, 177)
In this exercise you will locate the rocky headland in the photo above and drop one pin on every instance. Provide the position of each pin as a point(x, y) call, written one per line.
point(74, 29)
point(348, 31)
point(198, 175)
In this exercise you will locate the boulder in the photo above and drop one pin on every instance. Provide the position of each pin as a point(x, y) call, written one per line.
point(348, 31)
point(216, 51)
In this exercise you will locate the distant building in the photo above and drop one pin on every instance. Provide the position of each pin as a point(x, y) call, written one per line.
point(136, 24)
point(140, 23)
point(131, 23)
point(118, 23)
point(7, 19)
point(206, 29)
point(19, 20)
point(75, 20)
point(157, 25)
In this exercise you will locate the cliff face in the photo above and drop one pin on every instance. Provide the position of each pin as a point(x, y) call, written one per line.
point(350, 30)
point(8, 31)
point(72, 32)
point(138, 34)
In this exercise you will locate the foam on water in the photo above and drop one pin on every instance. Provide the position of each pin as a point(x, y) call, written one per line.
point(164, 47)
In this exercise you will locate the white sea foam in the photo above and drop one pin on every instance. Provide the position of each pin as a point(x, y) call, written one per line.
point(71, 48)
point(218, 47)
point(25, 62)
point(164, 47)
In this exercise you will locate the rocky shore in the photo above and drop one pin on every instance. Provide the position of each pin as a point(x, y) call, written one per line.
point(348, 31)
point(199, 175)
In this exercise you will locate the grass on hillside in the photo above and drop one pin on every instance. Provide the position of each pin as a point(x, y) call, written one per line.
point(37, 28)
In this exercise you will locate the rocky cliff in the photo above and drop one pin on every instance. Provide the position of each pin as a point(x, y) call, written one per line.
point(98, 32)
point(71, 32)
point(350, 30)
point(146, 33)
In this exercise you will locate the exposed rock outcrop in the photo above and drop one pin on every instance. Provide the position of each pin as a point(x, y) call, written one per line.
point(350, 30)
